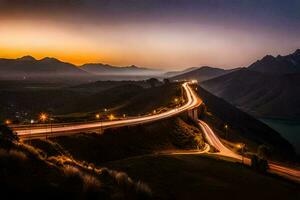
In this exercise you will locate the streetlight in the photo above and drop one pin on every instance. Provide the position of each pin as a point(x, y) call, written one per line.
point(226, 130)
point(111, 117)
point(30, 129)
point(51, 119)
point(242, 147)
point(98, 117)
point(124, 115)
point(43, 117)
point(7, 122)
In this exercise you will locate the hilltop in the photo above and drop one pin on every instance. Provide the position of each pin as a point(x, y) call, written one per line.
point(201, 74)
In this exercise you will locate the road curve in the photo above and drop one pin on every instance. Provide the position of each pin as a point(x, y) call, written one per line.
point(192, 102)
point(213, 140)
point(56, 130)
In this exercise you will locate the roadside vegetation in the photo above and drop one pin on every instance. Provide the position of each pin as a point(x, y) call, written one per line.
point(119, 143)
point(21, 103)
point(130, 163)
point(26, 171)
point(236, 127)
point(205, 177)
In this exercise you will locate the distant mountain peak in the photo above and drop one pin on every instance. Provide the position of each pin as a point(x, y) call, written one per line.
point(268, 58)
point(297, 52)
point(133, 66)
point(50, 59)
point(278, 65)
point(27, 58)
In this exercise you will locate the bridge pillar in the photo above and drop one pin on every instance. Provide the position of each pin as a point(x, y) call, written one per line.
point(193, 114)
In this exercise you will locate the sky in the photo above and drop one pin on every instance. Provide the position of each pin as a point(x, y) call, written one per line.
point(162, 34)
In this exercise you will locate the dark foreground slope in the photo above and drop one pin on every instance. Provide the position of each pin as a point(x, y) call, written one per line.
point(145, 153)
point(28, 172)
point(87, 166)
point(183, 177)
point(260, 94)
point(243, 127)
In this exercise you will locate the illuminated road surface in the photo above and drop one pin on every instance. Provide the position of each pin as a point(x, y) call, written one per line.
point(192, 102)
point(224, 151)
point(56, 130)
point(215, 141)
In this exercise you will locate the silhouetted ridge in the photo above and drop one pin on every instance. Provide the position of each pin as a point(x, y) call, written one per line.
point(278, 65)
point(27, 58)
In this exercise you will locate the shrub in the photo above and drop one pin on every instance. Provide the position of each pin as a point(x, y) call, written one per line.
point(90, 183)
point(7, 137)
point(12, 154)
point(31, 151)
point(259, 164)
point(122, 178)
point(143, 190)
point(71, 171)
point(18, 154)
point(263, 151)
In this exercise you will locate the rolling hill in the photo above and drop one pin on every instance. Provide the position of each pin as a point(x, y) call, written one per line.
point(243, 127)
point(267, 88)
point(176, 73)
point(82, 101)
point(259, 94)
point(49, 69)
point(29, 68)
point(201, 74)
point(105, 69)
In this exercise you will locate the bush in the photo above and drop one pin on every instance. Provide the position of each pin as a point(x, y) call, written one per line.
point(264, 151)
point(143, 190)
point(259, 164)
point(90, 183)
point(7, 137)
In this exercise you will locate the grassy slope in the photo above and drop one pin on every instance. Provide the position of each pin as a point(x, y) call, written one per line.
point(262, 95)
point(131, 98)
point(124, 142)
point(172, 176)
point(243, 127)
point(27, 172)
point(195, 176)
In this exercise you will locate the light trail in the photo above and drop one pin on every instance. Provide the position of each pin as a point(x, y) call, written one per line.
point(28, 132)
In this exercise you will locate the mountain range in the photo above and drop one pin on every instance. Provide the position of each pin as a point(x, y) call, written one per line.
point(278, 65)
point(176, 73)
point(29, 68)
point(202, 73)
point(269, 87)
point(105, 69)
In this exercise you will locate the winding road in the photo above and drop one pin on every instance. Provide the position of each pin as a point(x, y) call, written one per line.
point(27, 132)
point(213, 140)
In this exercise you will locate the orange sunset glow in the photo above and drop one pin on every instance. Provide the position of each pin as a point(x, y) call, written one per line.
point(118, 34)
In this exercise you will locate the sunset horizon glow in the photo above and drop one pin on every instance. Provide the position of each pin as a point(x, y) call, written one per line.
point(149, 34)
